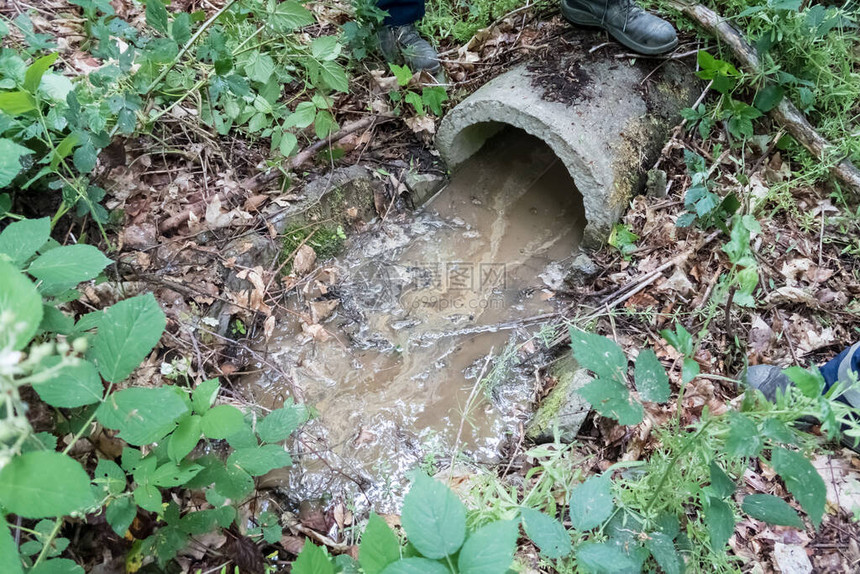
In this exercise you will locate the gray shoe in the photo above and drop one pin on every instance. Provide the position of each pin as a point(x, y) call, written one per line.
point(626, 22)
point(404, 41)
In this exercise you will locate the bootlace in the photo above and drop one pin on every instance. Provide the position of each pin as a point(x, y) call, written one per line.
point(626, 8)
point(408, 35)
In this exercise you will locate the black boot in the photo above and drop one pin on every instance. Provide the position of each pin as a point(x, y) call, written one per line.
point(626, 22)
point(397, 41)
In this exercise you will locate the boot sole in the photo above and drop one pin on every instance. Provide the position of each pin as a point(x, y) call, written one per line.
point(586, 18)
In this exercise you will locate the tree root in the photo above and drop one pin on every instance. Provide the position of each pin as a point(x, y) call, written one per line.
point(786, 113)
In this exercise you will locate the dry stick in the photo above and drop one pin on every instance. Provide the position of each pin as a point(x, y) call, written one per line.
point(256, 182)
point(785, 114)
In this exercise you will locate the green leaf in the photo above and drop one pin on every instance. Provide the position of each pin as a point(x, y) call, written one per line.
point(802, 480)
point(127, 332)
point(281, 423)
point(721, 484)
point(680, 339)
point(29, 488)
point(10, 160)
point(416, 566)
point(21, 239)
point(37, 69)
point(180, 29)
point(20, 306)
point(689, 370)
point(771, 509)
point(611, 399)
point(302, 117)
point(769, 97)
point(156, 16)
point(170, 474)
point(233, 483)
point(260, 460)
point(547, 532)
point(148, 497)
point(598, 354)
point(401, 73)
point(650, 377)
point(111, 476)
point(325, 48)
point(312, 560)
point(379, 546)
point(142, 415)
point(120, 514)
point(289, 15)
point(75, 385)
point(9, 561)
point(591, 503)
point(16, 103)
point(490, 549)
point(260, 68)
point(222, 421)
point(811, 384)
point(184, 438)
point(604, 558)
point(65, 266)
point(744, 439)
point(433, 517)
point(203, 396)
point(57, 566)
point(334, 76)
point(664, 552)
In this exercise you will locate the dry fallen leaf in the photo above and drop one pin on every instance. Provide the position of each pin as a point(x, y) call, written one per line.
point(304, 260)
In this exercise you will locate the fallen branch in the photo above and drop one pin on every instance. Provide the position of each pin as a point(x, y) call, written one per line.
point(260, 180)
point(785, 114)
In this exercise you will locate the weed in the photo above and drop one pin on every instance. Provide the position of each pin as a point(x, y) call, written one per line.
point(326, 241)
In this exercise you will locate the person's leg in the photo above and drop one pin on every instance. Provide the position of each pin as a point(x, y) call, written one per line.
point(398, 36)
point(625, 21)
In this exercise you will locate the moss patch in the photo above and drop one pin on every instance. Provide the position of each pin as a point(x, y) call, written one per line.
point(326, 241)
point(564, 372)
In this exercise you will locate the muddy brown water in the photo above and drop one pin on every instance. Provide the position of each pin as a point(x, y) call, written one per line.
point(428, 306)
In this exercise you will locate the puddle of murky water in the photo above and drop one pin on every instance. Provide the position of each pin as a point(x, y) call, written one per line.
point(423, 303)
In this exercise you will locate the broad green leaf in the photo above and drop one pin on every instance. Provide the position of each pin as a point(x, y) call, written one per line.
point(689, 370)
point(490, 549)
point(604, 558)
point(744, 439)
point(416, 566)
point(203, 396)
point(127, 332)
point(120, 514)
point(64, 148)
point(802, 480)
point(721, 484)
point(9, 561)
point(325, 48)
point(611, 399)
point(281, 423)
point(16, 103)
point(401, 73)
point(769, 97)
point(771, 509)
point(664, 552)
point(142, 415)
point(591, 503)
point(184, 438)
point(10, 160)
point(346, 564)
point(233, 482)
point(20, 305)
point(379, 546)
point(57, 566)
point(312, 560)
point(222, 421)
point(170, 474)
point(681, 339)
point(199, 522)
point(156, 16)
point(260, 68)
point(37, 69)
point(289, 15)
point(29, 488)
point(547, 532)
point(288, 144)
point(110, 476)
point(257, 461)
point(811, 384)
point(599, 354)
point(433, 517)
point(74, 386)
point(55, 88)
point(650, 377)
point(180, 29)
point(302, 117)
point(66, 266)
point(334, 76)
point(148, 497)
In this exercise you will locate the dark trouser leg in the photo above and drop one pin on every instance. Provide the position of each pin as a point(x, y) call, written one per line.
point(402, 12)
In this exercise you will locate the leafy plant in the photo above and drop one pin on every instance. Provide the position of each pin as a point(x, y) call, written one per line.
point(76, 367)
